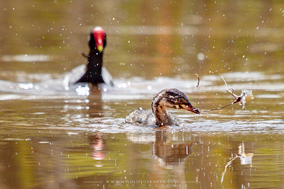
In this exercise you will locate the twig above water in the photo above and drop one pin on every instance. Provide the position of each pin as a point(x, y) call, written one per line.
point(198, 80)
point(229, 90)
point(245, 96)
point(219, 107)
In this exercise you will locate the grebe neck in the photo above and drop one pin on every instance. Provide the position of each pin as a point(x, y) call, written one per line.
point(159, 110)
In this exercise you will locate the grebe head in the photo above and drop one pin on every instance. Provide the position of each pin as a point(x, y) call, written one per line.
point(173, 98)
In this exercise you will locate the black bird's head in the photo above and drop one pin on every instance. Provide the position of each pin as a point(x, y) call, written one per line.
point(97, 40)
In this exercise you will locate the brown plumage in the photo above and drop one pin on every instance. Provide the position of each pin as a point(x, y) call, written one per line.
point(167, 98)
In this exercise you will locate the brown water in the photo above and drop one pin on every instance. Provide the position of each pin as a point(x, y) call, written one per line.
point(58, 136)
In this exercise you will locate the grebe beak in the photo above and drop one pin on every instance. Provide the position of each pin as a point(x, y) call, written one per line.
point(190, 108)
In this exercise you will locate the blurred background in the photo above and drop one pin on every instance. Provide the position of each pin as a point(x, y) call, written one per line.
point(173, 38)
point(55, 139)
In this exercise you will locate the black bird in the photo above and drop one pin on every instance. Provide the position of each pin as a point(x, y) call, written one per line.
point(95, 72)
point(170, 98)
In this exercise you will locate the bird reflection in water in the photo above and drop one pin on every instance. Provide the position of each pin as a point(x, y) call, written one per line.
point(167, 154)
point(97, 143)
point(171, 155)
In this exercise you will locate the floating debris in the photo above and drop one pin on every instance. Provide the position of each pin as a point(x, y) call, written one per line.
point(245, 96)
point(198, 80)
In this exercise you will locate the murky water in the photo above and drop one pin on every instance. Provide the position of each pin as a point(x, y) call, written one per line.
point(57, 135)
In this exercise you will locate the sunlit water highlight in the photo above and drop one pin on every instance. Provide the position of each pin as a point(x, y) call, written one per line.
point(58, 135)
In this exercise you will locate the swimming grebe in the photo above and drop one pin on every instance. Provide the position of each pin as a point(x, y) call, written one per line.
point(95, 72)
point(170, 98)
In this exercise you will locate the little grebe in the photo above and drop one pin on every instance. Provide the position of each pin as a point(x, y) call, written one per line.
point(171, 98)
point(95, 72)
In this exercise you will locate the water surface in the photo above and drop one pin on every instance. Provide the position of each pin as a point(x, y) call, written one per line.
point(55, 135)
